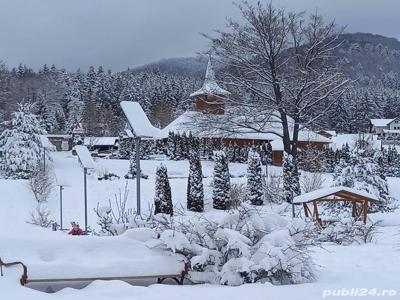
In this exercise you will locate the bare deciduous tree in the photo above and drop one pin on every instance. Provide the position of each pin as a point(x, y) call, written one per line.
point(281, 71)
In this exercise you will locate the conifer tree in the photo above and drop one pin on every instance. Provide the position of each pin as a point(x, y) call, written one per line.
point(221, 182)
point(171, 145)
point(195, 191)
point(290, 178)
point(20, 144)
point(163, 197)
point(132, 172)
point(124, 147)
point(254, 179)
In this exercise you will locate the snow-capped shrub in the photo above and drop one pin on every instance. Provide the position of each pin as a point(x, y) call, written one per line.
point(41, 185)
point(237, 194)
point(115, 218)
point(349, 231)
point(274, 191)
point(40, 216)
point(239, 246)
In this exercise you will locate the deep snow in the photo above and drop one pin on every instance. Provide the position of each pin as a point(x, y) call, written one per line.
point(373, 265)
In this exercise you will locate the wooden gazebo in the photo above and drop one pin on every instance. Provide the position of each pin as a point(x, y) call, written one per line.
point(360, 201)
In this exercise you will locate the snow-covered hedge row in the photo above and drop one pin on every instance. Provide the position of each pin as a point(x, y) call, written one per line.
point(235, 247)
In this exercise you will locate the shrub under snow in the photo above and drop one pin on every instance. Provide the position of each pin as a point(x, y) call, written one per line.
point(239, 246)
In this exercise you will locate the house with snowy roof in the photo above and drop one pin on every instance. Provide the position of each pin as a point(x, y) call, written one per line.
point(209, 99)
point(385, 128)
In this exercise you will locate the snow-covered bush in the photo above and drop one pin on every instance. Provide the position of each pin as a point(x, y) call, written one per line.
point(20, 144)
point(40, 216)
point(345, 231)
point(237, 194)
point(115, 218)
point(274, 189)
point(239, 246)
point(311, 181)
point(41, 185)
point(349, 231)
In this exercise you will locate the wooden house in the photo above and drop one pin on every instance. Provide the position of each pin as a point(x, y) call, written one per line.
point(209, 99)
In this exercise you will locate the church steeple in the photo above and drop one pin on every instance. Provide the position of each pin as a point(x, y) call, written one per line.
point(209, 98)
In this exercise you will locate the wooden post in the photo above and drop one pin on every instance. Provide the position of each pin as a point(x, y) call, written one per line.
point(305, 209)
point(365, 209)
point(353, 209)
point(316, 214)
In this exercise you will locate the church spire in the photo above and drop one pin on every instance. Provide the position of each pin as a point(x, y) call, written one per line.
point(210, 86)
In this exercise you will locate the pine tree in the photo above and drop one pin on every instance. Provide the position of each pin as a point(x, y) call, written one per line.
point(221, 181)
point(171, 145)
point(254, 179)
point(132, 172)
point(124, 147)
point(195, 191)
point(163, 197)
point(290, 178)
point(20, 144)
point(362, 172)
point(75, 104)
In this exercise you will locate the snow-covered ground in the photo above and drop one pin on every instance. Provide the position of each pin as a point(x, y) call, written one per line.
point(375, 265)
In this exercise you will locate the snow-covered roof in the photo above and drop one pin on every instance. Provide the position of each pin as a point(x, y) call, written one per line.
point(391, 131)
point(210, 85)
point(277, 145)
point(84, 156)
point(381, 122)
point(100, 141)
point(185, 123)
point(62, 136)
point(330, 132)
point(340, 140)
point(138, 120)
point(326, 192)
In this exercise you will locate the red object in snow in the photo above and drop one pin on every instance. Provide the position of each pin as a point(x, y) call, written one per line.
point(76, 230)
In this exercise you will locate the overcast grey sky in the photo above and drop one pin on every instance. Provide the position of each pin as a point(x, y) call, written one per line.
point(122, 33)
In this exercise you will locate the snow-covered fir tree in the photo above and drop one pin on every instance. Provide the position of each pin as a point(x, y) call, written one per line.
point(20, 143)
point(195, 191)
point(221, 181)
point(75, 104)
point(124, 147)
point(290, 178)
point(363, 172)
point(132, 163)
point(163, 197)
point(254, 179)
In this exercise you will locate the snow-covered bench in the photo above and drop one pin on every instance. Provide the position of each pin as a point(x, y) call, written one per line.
point(55, 257)
point(25, 279)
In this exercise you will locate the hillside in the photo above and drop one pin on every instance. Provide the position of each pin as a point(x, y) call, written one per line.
point(361, 55)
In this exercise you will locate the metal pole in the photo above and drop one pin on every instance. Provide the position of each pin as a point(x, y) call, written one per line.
point(44, 160)
point(138, 173)
point(293, 210)
point(85, 191)
point(61, 214)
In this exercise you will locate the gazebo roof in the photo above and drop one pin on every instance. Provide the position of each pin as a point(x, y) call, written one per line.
point(338, 193)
